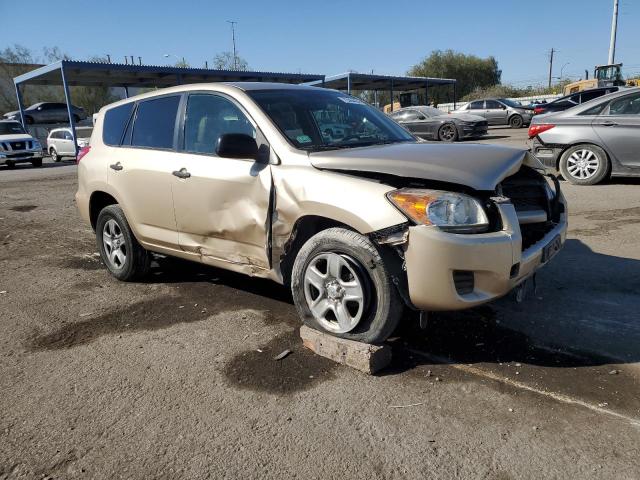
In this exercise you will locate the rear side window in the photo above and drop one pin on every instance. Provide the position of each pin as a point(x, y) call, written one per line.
point(155, 123)
point(115, 121)
point(478, 105)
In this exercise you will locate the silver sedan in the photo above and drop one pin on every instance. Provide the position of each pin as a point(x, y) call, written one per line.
point(592, 141)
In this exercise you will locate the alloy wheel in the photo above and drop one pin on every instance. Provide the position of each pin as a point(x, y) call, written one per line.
point(447, 133)
point(334, 292)
point(583, 164)
point(115, 246)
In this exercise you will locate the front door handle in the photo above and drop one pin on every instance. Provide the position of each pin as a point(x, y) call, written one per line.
point(182, 173)
point(609, 123)
point(116, 166)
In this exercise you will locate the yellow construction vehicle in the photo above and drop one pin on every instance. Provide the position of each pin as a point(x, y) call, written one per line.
point(603, 76)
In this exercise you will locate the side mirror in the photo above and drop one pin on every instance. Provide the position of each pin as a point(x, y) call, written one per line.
point(237, 145)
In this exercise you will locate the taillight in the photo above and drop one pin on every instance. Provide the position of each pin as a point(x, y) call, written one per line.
point(538, 110)
point(537, 129)
point(83, 151)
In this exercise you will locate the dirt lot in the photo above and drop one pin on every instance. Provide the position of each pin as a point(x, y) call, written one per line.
point(174, 377)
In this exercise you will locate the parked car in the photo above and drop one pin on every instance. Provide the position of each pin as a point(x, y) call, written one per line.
point(499, 111)
point(17, 146)
point(60, 142)
point(570, 101)
point(48, 112)
point(433, 124)
point(241, 177)
point(592, 141)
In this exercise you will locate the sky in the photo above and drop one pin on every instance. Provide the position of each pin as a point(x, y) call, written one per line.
point(330, 37)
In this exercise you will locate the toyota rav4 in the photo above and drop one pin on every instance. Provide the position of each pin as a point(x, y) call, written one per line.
point(245, 177)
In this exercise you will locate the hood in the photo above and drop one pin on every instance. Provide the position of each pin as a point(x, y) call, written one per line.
point(477, 166)
point(465, 117)
point(16, 137)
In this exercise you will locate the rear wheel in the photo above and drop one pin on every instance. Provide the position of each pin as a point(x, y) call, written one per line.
point(120, 251)
point(584, 164)
point(54, 155)
point(341, 286)
point(516, 121)
point(448, 133)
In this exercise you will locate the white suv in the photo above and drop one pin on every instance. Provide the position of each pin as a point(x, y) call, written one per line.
point(17, 146)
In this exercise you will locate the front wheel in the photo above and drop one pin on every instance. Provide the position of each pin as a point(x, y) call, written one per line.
point(448, 133)
point(516, 121)
point(37, 162)
point(341, 286)
point(120, 251)
point(584, 165)
point(54, 155)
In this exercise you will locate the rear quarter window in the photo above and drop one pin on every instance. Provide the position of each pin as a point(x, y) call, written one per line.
point(115, 121)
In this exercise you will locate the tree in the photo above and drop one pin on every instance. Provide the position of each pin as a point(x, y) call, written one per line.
point(225, 61)
point(470, 71)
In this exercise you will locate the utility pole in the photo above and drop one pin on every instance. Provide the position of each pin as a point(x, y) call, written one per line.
point(233, 39)
point(614, 31)
point(550, 65)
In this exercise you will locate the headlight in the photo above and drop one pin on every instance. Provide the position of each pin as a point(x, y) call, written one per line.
point(452, 212)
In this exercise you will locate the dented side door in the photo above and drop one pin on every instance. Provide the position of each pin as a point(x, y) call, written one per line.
point(221, 204)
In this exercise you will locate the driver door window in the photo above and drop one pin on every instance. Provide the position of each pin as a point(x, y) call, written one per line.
point(207, 118)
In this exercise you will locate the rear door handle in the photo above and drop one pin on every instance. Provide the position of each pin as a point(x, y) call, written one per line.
point(182, 173)
point(609, 124)
point(116, 166)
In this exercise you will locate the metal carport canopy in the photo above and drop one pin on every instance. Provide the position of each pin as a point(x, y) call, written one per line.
point(102, 74)
point(365, 81)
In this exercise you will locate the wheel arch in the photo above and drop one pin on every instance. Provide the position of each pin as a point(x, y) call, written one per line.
point(98, 200)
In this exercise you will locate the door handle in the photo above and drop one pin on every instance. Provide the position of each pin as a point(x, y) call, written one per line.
point(609, 123)
point(116, 166)
point(182, 173)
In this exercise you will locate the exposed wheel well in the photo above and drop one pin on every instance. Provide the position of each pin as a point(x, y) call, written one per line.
point(98, 201)
point(304, 228)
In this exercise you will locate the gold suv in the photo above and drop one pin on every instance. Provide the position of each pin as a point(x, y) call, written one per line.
point(317, 190)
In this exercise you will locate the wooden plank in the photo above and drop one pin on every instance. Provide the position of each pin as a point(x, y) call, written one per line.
point(361, 356)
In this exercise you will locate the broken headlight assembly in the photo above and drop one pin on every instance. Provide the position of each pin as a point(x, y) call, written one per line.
point(449, 211)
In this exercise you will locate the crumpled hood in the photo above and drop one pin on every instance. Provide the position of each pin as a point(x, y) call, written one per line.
point(477, 166)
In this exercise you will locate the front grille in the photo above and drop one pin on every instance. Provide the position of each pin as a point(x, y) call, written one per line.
point(464, 281)
point(18, 145)
point(527, 191)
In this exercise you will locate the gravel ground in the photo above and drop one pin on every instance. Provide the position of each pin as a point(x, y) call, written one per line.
point(174, 377)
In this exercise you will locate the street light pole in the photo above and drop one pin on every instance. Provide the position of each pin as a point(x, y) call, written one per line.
point(614, 31)
point(233, 39)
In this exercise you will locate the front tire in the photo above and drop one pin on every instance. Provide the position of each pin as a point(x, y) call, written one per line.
point(516, 121)
point(37, 162)
point(448, 133)
point(54, 155)
point(584, 164)
point(341, 286)
point(120, 251)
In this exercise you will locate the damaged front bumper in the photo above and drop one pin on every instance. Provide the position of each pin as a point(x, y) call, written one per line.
point(448, 271)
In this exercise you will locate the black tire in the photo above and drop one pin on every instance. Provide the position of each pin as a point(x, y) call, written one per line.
point(76, 118)
point(137, 259)
point(573, 154)
point(382, 304)
point(516, 121)
point(29, 120)
point(10, 164)
point(54, 155)
point(448, 133)
point(37, 162)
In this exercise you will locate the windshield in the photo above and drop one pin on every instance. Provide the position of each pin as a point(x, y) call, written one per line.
point(10, 128)
point(511, 103)
point(325, 119)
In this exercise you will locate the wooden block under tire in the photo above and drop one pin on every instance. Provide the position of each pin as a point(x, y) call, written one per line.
point(361, 356)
